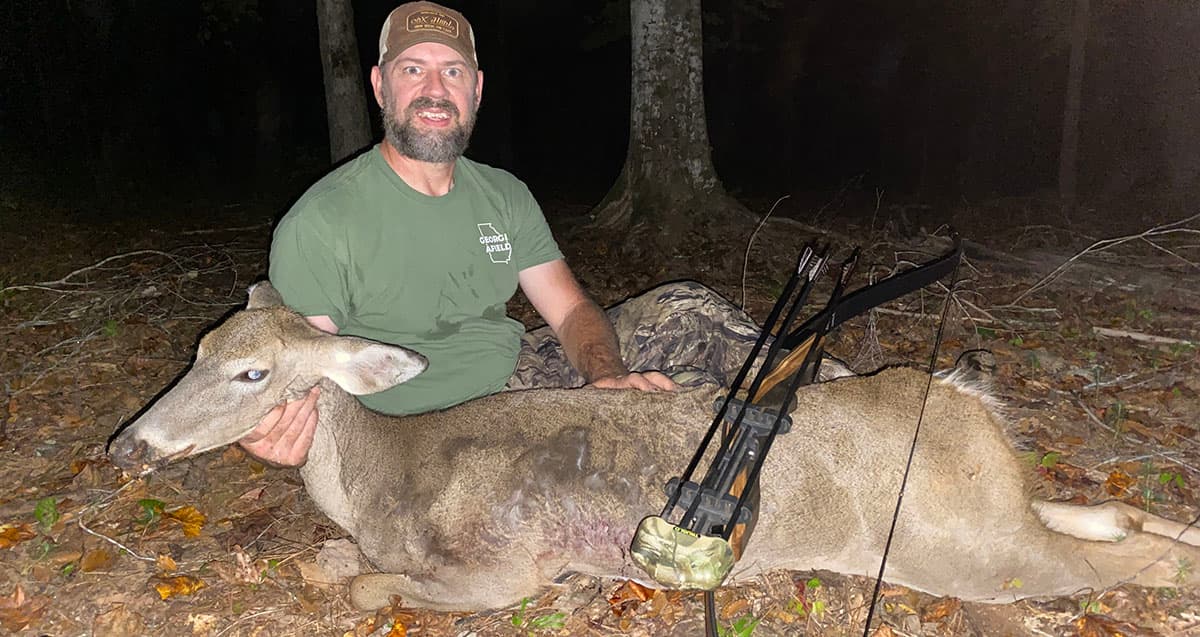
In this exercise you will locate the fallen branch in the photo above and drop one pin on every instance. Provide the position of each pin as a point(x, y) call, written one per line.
point(750, 242)
point(1141, 336)
point(131, 552)
point(1104, 244)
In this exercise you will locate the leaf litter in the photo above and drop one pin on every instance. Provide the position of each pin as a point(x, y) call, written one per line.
point(1101, 416)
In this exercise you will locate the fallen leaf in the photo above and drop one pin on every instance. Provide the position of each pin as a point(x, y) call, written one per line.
point(628, 596)
point(87, 476)
point(363, 628)
point(169, 587)
point(397, 617)
point(165, 563)
point(203, 623)
point(1103, 626)
point(1146, 432)
point(398, 630)
point(79, 464)
point(246, 571)
point(62, 557)
point(189, 518)
point(735, 608)
point(310, 599)
point(232, 455)
point(252, 494)
point(119, 621)
point(941, 609)
point(42, 573)
point(314, 575)
point(665, 606)
point(884, 631)
point(1119, 483)
point(17, 612)
point(74, 419)
point(96, 560)
point(13, 534)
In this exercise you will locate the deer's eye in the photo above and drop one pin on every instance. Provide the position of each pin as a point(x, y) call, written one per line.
point(252, 375)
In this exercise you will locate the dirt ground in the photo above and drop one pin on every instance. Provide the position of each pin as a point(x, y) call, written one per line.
point(1095, 346)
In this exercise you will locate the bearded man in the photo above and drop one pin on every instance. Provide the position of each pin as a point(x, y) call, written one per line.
point(413, 244)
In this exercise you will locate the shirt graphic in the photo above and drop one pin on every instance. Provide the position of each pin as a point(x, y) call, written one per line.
point(499, 250)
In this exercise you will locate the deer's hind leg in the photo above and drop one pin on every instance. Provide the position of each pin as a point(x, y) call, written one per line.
point(1110, 522)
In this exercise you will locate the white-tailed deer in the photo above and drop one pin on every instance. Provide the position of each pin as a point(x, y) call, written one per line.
point(486, 503)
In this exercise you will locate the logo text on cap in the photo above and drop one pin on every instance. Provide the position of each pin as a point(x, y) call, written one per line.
point(426, 20)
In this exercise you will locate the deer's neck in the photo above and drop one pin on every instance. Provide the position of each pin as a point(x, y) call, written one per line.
point(339, 414)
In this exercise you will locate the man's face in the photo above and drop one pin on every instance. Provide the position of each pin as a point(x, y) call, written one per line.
point(429, 96)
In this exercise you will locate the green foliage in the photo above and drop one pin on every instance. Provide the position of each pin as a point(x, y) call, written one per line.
point(46, 513)
point(553, 621)
point(1155, 483)
point(1090, 607)
point(1167, 478)
point(1050, 459)
point(804, 605)
point(742, 627)
point(1133, 313)
point(1183, 571)
point(1180, 350)
point(518, 618)
point(1016, 341)
point(985, 332)
point(111, 328)
point(42, 548)
point(1148, 478)
point(271, 570)
point(151, 510)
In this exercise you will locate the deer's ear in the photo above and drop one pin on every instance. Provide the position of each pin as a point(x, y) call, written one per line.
point(360, 366)
point(263, 294)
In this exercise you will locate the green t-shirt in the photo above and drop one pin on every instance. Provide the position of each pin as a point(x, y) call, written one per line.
point(433, 274)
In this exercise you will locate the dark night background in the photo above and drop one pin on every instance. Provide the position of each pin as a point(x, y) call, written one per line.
point(110, 102)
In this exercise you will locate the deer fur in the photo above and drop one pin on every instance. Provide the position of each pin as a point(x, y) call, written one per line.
point(486, 503)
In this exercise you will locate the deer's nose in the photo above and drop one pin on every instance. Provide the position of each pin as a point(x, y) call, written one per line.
point(127, 452)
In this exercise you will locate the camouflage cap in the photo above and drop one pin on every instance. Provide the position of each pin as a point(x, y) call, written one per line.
point(416, 22)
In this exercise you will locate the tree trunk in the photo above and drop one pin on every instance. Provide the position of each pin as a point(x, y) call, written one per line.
point(1176, 102)
point(1068, 157)
point(668, 184)
point(500, 112)
point(345, 99)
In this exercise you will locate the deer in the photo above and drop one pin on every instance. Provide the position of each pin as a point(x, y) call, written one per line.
point(481, 505)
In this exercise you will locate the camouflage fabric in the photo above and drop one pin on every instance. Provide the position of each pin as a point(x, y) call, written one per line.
point(683, 329)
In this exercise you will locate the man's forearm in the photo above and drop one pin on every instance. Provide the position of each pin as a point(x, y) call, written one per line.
point(590, 343)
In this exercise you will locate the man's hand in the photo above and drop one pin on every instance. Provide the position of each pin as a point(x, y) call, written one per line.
point(284, 436)
point(645, 381)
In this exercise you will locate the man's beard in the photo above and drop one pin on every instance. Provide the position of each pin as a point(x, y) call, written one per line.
point(435, 147)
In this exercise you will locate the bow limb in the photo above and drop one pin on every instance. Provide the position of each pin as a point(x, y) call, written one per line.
point(875, 295)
